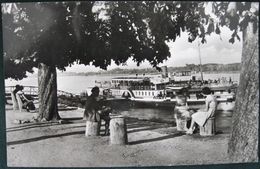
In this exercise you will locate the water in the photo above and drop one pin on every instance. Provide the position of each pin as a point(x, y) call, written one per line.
point(78, 84)
point(222, 118)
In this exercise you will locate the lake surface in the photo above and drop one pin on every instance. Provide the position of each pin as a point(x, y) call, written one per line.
point(222, 118)
point(78, 84)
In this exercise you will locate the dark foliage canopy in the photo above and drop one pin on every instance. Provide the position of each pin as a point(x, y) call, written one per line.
point(62, 33)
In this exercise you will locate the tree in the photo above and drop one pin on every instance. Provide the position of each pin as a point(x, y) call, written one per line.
point(237, 16)
point(55, 35)
point(139, 30)
point(243, 143)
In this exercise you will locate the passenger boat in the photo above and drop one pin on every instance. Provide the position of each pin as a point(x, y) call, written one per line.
point(160, 90)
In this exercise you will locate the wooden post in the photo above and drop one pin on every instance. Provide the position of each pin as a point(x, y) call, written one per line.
point(92, 128)
point(209, 128)
point(118, 131)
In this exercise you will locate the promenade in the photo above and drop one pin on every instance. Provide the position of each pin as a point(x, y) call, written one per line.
point(65, 145)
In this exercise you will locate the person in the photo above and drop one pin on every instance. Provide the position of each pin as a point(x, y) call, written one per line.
point(181, 110)
point(202, 116)
point(26, 101)
point(95, 110)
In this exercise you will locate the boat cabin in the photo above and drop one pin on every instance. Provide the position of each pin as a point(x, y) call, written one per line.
point(147, 87)
point(185, 75)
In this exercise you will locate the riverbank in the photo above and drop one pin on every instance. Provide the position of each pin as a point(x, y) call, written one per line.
point(65, 145)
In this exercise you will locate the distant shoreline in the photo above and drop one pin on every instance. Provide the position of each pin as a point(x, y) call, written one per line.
point(210, 68)
point(139, 74)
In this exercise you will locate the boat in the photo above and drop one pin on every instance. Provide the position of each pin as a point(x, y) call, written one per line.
point(160, 90)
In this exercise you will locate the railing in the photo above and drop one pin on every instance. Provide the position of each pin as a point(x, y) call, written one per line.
point(33, 91)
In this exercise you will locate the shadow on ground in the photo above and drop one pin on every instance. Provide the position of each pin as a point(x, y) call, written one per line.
point(44, 138)
point(133, 125)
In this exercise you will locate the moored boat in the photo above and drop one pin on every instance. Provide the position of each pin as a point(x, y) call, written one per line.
point(160, 91)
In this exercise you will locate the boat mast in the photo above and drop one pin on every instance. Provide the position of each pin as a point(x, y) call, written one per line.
point(200, 61)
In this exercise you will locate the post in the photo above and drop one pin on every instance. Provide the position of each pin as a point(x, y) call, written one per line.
point(118, 131)
point(209, 129)
point(92, 128)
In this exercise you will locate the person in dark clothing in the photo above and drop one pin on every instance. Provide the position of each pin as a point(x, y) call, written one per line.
point(95, 109)
point(92, 106)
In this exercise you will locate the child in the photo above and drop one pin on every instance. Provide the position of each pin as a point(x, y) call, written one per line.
point(181, 111)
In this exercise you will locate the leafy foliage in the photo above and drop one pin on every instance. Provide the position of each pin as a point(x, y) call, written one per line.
point(60, 33)
point(236, 16)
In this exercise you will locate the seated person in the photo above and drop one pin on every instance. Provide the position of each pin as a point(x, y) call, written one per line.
point(27, 103)
point(203, 115)
point(104, 115)
point(95, 110)
point(181, 110)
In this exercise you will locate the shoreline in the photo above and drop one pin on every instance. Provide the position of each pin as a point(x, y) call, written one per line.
point(121, 74)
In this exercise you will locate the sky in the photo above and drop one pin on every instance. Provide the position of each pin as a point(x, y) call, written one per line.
point(216, 50)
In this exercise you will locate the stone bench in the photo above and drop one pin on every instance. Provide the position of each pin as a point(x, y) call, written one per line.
point(92, 128)
point(118, 130)
point(181, 124)
point(209, 128)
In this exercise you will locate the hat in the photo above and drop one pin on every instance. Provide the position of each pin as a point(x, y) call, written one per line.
point(95, 89)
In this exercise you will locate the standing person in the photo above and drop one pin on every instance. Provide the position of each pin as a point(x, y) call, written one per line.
point(202, 116)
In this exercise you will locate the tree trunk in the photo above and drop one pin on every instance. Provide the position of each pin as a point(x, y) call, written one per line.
point(243, 144)
point(47, 82)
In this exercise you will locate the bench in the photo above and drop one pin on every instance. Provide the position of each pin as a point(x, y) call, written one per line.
point(20, 102)
point(181, 119)
point(209, 128)
point(14, 101)
point(118, 135)
point(93, 127)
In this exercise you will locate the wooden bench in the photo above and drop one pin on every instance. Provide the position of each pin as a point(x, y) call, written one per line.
point(20, 102)
point(209, 128)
